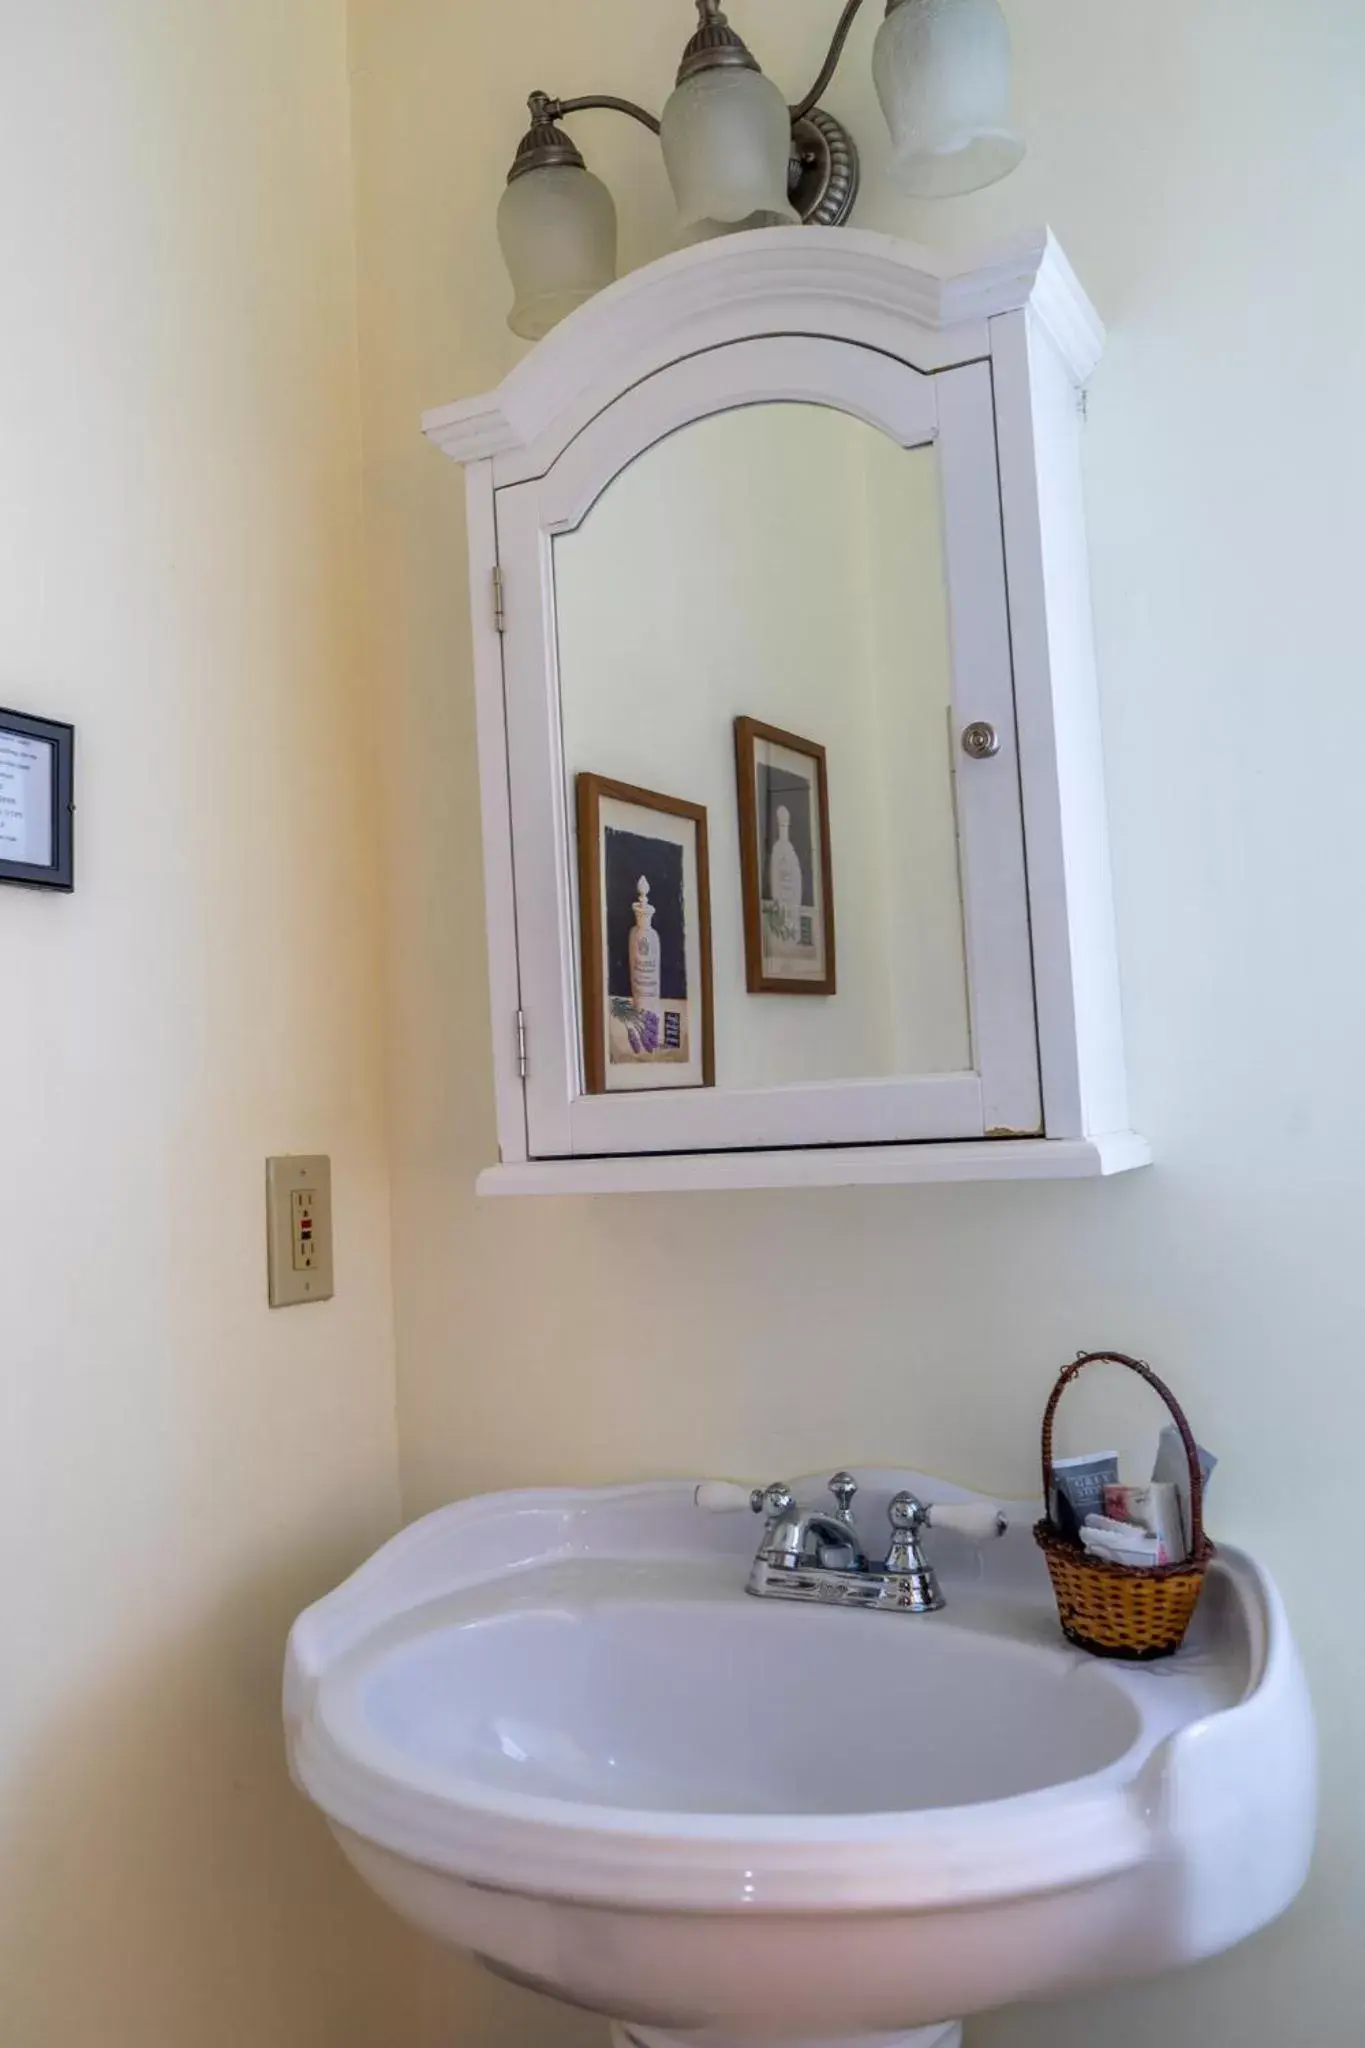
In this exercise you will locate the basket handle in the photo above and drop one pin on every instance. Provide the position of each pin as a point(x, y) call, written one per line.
point(1145, 1372)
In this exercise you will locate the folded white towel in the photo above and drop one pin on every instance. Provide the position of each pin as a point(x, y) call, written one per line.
point(1133, 1547)
point(1107, 1525)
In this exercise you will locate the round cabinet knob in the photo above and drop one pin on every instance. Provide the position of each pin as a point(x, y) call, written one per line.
point(980, 740)
point(906, 1512)
point(844, 1487)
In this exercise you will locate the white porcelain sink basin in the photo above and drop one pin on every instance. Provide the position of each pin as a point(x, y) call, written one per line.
point(552, 1728)
point(611, 1692)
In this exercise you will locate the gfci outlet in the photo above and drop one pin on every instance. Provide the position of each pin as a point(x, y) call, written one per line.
point(298, 1205)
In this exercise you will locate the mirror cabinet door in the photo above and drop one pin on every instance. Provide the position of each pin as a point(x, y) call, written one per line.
point(763, 891)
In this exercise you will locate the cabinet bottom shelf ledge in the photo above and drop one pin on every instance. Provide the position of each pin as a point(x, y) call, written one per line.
point(849, 1166)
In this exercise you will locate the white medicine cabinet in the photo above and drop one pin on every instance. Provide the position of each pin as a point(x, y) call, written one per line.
point(790, 765)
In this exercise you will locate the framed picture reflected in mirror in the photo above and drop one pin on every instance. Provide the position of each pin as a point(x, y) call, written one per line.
point(645, 921)
point(786, 868)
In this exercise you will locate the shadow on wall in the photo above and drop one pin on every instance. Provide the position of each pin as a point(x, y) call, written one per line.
point(174, 1891)
point(171, 1892)
point(464, 2004)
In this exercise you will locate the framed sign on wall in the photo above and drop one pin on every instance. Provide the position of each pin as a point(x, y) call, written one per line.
point(37, 803)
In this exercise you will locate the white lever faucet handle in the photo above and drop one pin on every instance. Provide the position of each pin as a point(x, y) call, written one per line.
point(979, 1520)
point(722, 1496)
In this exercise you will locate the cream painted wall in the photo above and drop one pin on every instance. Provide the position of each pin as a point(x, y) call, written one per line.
point(1204, 164)
point(179, 1469)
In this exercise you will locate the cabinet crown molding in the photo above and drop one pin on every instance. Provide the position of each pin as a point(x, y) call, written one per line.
point(740, 284)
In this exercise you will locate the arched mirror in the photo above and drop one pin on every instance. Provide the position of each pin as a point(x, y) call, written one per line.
point(782, 563)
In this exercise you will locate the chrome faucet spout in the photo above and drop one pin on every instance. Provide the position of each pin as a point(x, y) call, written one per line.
point(800, 1537)
point(815, 1554)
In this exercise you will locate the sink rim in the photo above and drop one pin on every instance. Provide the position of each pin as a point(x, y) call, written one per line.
point(1030, 1842)
point(1024, 1844)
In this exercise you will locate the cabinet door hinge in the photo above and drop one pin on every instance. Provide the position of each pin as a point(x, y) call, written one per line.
point(522, 1063)
point(499, 602)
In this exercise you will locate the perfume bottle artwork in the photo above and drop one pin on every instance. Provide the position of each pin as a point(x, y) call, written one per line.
point(646, 946)
point(786, 873)
point(788, 826)
point(784, 881)
point(644, 950)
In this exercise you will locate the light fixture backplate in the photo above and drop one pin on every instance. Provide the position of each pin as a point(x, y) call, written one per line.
point(826, 172)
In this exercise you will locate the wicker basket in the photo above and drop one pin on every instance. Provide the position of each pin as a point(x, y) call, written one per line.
point(1118, 1610)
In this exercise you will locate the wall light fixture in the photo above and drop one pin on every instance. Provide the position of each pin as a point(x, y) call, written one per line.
point(738, 156)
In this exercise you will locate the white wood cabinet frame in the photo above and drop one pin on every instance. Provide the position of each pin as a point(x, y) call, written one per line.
point(986, 362)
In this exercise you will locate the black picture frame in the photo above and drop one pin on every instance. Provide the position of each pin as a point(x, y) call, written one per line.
point(60, 871)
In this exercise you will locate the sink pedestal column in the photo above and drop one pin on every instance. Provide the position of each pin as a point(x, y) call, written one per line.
point(947, 2034)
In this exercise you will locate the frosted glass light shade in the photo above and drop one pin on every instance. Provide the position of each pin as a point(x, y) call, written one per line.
point(942, 72)
point(727, 138)
point(709, 230)
point(557, 226)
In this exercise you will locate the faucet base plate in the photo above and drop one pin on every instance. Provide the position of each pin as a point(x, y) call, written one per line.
point(915, 1592)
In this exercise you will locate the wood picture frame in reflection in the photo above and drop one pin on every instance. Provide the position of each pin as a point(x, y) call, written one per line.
point(787, 871)
point(644, 899)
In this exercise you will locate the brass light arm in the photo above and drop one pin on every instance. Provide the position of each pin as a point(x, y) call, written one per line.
point(607, 101)
point(831, 63)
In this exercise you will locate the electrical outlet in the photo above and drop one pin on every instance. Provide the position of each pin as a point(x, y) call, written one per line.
point(299, 1230)
point(303, 1209)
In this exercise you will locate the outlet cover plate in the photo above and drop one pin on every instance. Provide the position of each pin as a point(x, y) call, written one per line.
point(299, 1231)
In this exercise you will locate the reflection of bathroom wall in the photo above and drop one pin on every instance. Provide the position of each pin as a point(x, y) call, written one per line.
point(725, 572)
point(899, 567)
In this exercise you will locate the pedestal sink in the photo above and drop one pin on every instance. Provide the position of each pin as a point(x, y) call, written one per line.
point(551, 1728)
